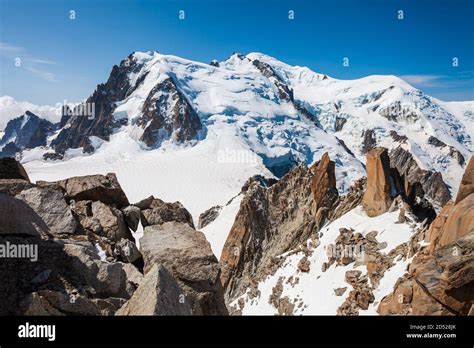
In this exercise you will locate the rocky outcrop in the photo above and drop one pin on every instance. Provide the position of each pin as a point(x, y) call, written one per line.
point(111, 221)
point(49, 204)
point(378, 195)
point(84, 260)
point(61, 257)
point(349, 201)
point(275, 219)
point(97, 119)
point(453, 152)
point(63, 276)
point(323, 189)
point(456, 219)
point(11, 169)
point(132, 216)
point(369, 141)
point(157, 212)
point(467, 182)
point(209, 216)
point(167, 114)
point(105, 189)
point(339, 123)
point(360, 297)
point(452, 223)
point(12, 187)
point(440, 279)
point(418, 183)
point(158, 294)
point(440, 283)
point(398, 138)
point(25, 132)
point(397, 173)
point(187, 256)
point(126, 251)
point(18, 218)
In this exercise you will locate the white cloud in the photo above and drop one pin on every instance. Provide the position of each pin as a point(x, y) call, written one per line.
point(7, 50)
point(28, 62)
point(42, 61)
point(45, 75)
point(11, 108)
point(425, 80)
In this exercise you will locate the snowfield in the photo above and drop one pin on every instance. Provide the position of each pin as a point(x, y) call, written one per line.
point(195, 176)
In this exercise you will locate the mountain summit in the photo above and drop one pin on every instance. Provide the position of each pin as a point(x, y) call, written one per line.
point(260, 111)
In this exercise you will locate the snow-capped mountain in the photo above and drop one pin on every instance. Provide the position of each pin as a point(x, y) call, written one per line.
point(283, 165)
point(261, 114)
point(25, 132)
point(11, 108)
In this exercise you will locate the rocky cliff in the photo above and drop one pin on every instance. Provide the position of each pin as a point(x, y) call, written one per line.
point(25, 132)
point(282, 231)
point(68, 249)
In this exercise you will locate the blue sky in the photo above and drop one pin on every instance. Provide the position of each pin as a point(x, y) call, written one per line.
point(64, 59)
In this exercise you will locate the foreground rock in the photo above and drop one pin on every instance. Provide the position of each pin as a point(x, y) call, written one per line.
point(12, 187)
point(36, 212)
point(105, 189)
point(440, 280)
point(156, 212)
point(187, 256)
point(132, 217)
point(158, 294)
point(83, 258)
point(466, 187)
point(456, 219)
point(52, 208)
point(436, 284)
point(62, 277)
point(66, 253)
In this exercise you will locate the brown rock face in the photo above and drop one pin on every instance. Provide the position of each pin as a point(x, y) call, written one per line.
point(158, 212)
point(459, 222)
point(276, 219)
point(418, 183)
point(323, 187)
point(455, 220)
point(467, 183)
point(158, 294)
point(11, 169)
point(13, 187)
point(440, 283)
point(105, 189)
point(131, 215)
point(188, 257)
point(377, 199)
point(440, 280)
point(52, 208)
point(111, 221)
